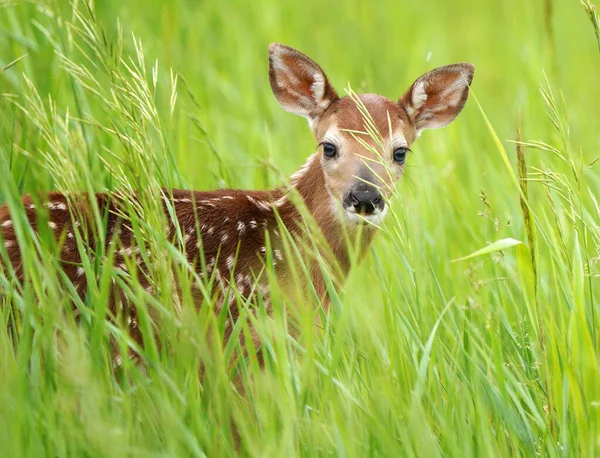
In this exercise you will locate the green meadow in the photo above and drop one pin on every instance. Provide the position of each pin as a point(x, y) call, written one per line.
point(426, 351)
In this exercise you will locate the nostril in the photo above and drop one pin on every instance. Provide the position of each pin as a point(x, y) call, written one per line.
point(355, 202)
point(378, 199)
point(368, 208)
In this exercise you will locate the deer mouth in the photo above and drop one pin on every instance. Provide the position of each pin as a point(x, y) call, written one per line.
point(373, 217)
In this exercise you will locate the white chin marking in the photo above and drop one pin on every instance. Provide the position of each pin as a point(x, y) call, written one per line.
point(375, 218)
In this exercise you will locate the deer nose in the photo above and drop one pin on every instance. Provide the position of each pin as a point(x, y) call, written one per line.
point(365, 200)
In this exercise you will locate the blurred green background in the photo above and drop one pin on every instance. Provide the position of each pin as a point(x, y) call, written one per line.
point(427, 357)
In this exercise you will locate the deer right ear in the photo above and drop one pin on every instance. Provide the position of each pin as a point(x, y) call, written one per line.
point(437, 97)
point(299, 84)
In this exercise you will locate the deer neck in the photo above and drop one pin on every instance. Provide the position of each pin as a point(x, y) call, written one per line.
point(310, 183)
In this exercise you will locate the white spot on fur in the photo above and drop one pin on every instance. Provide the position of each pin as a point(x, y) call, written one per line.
point(277, 254)
point(125, 251)
point(264, 289)
point(229, 262)
point(80, 271)
point(187, 238)
point(56, 206)
point(224, 237)
point(228, 197)
point(52, 225)
point(8, 243)
point(280, 202)
point(241, 227)
point(7, 223)
point(252, 224)
point(263, 205)
point(210, 230)
point(210, 264)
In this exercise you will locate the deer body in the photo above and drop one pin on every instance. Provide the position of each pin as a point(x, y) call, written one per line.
point(344, 186)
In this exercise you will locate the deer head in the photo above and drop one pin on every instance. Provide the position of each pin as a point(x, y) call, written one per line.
point(363, 140)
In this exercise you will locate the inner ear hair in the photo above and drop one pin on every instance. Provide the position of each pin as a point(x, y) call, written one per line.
point(298, 83)
point(436, 98)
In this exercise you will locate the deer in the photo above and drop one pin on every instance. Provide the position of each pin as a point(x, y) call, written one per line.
point(229, 234)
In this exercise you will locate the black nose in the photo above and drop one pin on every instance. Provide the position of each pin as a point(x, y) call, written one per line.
point(365, 199)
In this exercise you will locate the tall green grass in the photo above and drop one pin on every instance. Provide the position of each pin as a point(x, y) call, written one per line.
point(494, 354)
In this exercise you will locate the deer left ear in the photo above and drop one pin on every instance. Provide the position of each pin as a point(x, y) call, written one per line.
point(298, 83)
point(436, 98)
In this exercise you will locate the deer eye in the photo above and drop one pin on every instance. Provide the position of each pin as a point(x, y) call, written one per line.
point(400, 154)
point(329, 150)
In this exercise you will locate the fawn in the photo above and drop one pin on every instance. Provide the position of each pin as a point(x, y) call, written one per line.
point(345, 186)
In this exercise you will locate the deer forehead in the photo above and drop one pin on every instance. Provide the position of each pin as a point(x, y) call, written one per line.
point(343, 119)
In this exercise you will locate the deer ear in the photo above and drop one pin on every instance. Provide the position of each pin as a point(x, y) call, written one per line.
point(437, 97)
point(299, 84)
